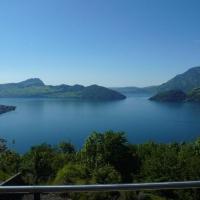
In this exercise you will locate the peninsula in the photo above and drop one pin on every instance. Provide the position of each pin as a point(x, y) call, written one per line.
point(4, 109)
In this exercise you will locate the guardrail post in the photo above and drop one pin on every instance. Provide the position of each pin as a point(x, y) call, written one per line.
point(36, 196)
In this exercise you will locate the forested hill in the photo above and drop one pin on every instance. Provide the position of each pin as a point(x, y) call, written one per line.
point(36, 88)
point(170, 96)
point(177, 96)
point(185, 82)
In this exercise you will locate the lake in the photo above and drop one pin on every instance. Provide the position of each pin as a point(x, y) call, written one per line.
point(37, 121)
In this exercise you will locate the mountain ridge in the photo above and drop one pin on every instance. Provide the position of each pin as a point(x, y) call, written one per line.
point(183, 87)
point(35, 87)
point(26, 83)
point(185, 81)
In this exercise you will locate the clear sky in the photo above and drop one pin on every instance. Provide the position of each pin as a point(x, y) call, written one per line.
point(107, 42)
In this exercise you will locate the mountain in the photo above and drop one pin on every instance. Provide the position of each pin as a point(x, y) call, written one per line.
point(170, 96)
point(136, 90)
point(102, 94)
point(26, 83)
point(36, 88)
point(177, 96)
point(185, 82)
point(31, 82)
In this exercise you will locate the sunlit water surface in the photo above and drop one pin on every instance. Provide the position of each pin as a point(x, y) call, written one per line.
point(37, 121)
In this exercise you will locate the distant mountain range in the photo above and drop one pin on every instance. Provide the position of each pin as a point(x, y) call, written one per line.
point(185, 82)
point(136, 90)
point(36, 88)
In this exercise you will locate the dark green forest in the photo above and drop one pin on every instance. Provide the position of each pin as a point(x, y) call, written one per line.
point(107, 158)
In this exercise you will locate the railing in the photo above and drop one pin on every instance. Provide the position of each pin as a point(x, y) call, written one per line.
point(37, 190)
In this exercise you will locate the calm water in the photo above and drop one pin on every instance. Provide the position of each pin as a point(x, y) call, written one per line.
point(52, 120)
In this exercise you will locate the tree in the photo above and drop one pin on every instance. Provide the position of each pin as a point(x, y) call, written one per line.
point(106, 174)
point(10, 162)
point(39, 163)
point(109, 148)
point(71, 174)
point(159, 162)
point(197, 146)
point(66, 147)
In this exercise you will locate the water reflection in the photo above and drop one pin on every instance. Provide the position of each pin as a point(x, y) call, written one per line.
point(52, 120)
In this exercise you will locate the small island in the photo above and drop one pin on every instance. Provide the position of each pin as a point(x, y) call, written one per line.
point(170, 96)
point(4, 109)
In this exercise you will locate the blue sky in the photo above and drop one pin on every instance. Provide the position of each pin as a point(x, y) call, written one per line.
point(107, 42)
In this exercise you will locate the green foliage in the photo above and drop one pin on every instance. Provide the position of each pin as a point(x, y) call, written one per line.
point(9, 162)
point(106, 174)
point(66, 147)
point(39, 163)
point(159, 162)
point(71, 174)
point(108, 158)
point(109, 148)
point(3, 175)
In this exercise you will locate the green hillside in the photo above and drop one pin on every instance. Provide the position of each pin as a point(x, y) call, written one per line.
point(36, 88)
point(171, 95)
point(194, 95)
point(185, 82)
point(177, 96)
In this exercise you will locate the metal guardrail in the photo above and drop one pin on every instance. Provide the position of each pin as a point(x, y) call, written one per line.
point(37, 190)
point(100, 187)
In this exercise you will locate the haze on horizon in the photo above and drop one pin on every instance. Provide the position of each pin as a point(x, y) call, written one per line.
point(108, 42)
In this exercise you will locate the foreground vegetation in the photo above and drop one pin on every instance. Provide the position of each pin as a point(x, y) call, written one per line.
point(107, 158)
